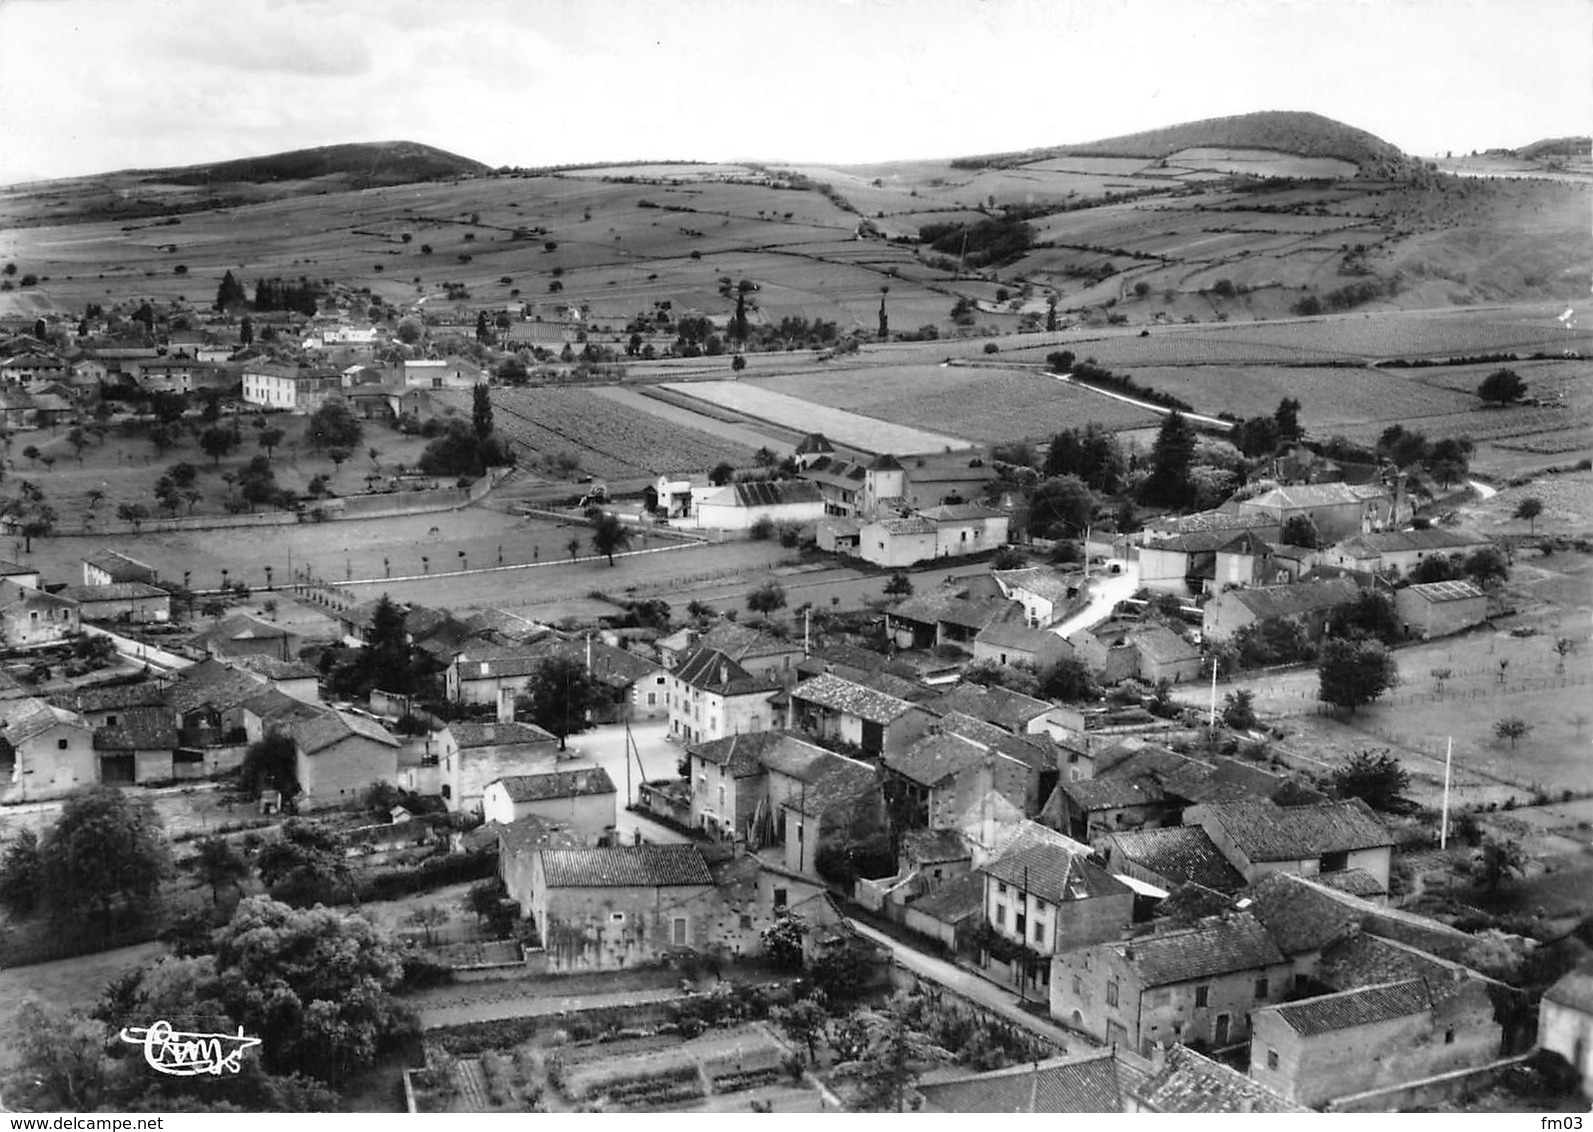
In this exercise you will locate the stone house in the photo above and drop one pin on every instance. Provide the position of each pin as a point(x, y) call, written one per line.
point(1007, 642)
point(288, 388)
point(1308, 604)
point(944, 478)
point(290, 677)
point(940, 776)
point(711, 696)
point(442, 373)
point(1206, 561)
point(1106, 651)
point(1182, 1080)
point(30, 616)
point(1437, 609)
point(115, 704)
point(272, 709)
point(1196, 983)
point(582, 801)
point(1047, 898)
point(1339, 510)
point(728, 782)
point(340, 755)
point(945, 616)
point(1400, 551)
point(243, 635)
point(1261, 837)
point(1170, 858)
point(1565, 1021)
point(471, 754)
point(19, 575)
point(897, 541)
point(1013, 712)
point(109, 567)
point(1046, 596)
point(140, 751)
point(51, 751)
point(822, 800)
point(1317, 1050)
point(605, 909)
point(1164, 655)
point(120, 601)
point(833, 708)
point(756, 652)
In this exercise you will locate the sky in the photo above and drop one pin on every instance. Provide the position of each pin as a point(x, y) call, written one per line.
point(89, 86)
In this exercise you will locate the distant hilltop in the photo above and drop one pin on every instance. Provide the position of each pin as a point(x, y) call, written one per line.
point(1557, 147)
point(363, 163)
point(1283, 131)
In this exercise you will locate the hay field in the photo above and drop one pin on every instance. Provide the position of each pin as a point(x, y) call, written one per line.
point(865, 434)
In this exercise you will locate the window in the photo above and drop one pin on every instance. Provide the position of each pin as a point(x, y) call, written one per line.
point(1020, 922)
point(1261, 989)
point(746, 923)
point(61, 744)
point(1111, 993)
point(1202, 994)
point(1449, 1037)
point(678, 934)
point(110, 721)
point(447, 791)
point(1335, 862)
point(721, 796)
point(1078, 986)
point(1272, 1059)
point(779, 898)
point(1001, 889)
point(1039, 931)
point(1039, 907)
point(652, 699)
point(616, 917)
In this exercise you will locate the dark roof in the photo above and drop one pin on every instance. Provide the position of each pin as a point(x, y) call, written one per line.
point(841, 695)
point(814, 442)
point(1161, 645)
point(1263, 831)
point(1574, 989)
point(1055, 874)
point(1393, 542)
point(1230, 521)
point(559, 784)
point(1357, 882)
point(330, 728)
point(240, 627)
point(1112, 791)
point(271, 667)
point(956, 900)
point(710, 670)
point(1183, 855)
point(929, 845)
point(833, 781)
point(741, 643)
point(115, 591)
point(112, 698)
point(1217, 945)
point(1017, 635)
point(1191, 1082)
point(1365, 960)
point(155, 737)
point(277, 707)
point(961, 513)
point(1361, 1007)
point(641, 866)
point(739, 754)
point(1300, 918)
point(529, 834)
point(767, 493)
point(212, 684)
point(937, 757)
point(1289, 600)
point(1003, 707)
point(488, 733)
point(9, 568)
point(794, 756)
point(120, 567)
point(953, 609)
point(1085, 1082)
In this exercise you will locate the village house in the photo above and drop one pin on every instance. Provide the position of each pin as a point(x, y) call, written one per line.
point(50, 751)
point(338, 756)
point(245, 635)
point(1006, 642)
point(472, 754)
point(1400, 552)
point(113, 704)
point(30, 367)
point(832, 801)
point(939, 777)
point(1437, 609)
point(1261, 837)
point(756, 652)
point(208, 699)
point(581, 800)
point(1095, 1081)
point(605, 909)
point(1047, 898)
point(110, 567)
point(712, 696)
point(141, 751)
point(289, 389)
point(1338, 510)
point(443, 373)
point(1169, 858)
point(19, 575)
point(943, 531)
point(945, 479)
point(1039, 752)
point(271, 709)
point(1565, 1021)
point(638, 687)
point(945, 616)
point(1046, 596)
point(137, 602)
point(292, 678)
point(835, 709)
point(741, 506)
point(1013, 712)
point(30, 616)
point(1206, 561)
point(675, 495)
point(1186, 984)
point(898, 541)
point(1307, 604)
point(1183, 1080)
point(1161, 654)
point(729, 783)
point(1317, 1050)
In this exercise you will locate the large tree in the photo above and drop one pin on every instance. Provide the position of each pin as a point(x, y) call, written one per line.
point(1352, 673)
point(304, 866)
point(481, 412)
point(609, 535)
point(1061, 507)
point(1374, 776)
point(1502, 387)
point(387, 661)
point(20, 873)
point(561, 695)
point(1172, 455)
point(334, 425)
point(891, 1053)
point(268, 764)
point(104, 858)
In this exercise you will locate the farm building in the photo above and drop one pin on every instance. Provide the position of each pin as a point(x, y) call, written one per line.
point(472, 754)
point(1164, 654)
point(121, 601)
point(1565, 1021)
point(1206, 562)
point(140, 752)
point(832, 708)
point(109, 567)
point(1007, 642)
point(1338, 510)
point(1188, 984)
point(27, 368)
point(442, 373)
point(338, 756)
point(1316, 1050)
point(727, 779)
point(1170, 858)
point(940, 777)
point(1436, 609)
point(675, 496)
point(833, 802)
point(1308, 604)
point(29, 616)
point(897, 542)
point(288, 388)
point(738, 506)
point(1182, 1080)
point(50, 751)
point(945, 479)
point(1400, 550)
point(946, 616)
point(1046, 596)
point(243, 635)
point(582, 801)
point(1259, 837)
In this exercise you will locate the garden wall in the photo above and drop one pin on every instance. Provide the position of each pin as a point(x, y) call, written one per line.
point(1426, 1093)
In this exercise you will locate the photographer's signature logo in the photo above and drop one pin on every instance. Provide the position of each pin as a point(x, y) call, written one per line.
point(182, 1054)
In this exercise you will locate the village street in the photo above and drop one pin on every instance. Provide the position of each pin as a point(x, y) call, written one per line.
point(606, 747)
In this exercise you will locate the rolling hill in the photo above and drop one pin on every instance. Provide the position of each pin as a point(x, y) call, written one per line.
point(365, 164)
point(1282, 131)
point(1557, 147)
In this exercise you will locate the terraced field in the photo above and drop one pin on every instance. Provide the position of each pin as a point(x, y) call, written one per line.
point(612, 439)
point(991, 406)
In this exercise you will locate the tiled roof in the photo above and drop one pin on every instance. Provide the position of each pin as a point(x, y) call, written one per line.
point(120, 567)
point(11, 593)
point(1574, 989)
point(641, 866)
point(1263, 831)
point(1361, 1007)
point(155, 738)
point(1206, 541)
point(115, 591)
point(766, 493)
point(212, 684)
point(7, 569)
point(1016, 635)
point(830, 691)
point(710, 670)
point(741, 643)
point(793, 756)
point(1111, 791)
point(114, 697)
point(833, 781)
point(1297, 496)
point(814, 442)
point(1191, 1082)
point(956, 900)
point(935, 758)
point(1294, 598)
point(240, 627)
point(1357, 882)
point(911, 525)
point(278, 708)
point(1081, 1083)
point(1446, 591)
point(470, 733)
point(1038, 581)
point(559, 784)
point(953, 609)
point(332, 727)
point(1393, 542)
point(271, 667)
point(1211, 521)
point(1035, 751)
point(1300, 918)
point(1217, 945)
point(1183, 854)
point(961, 513)
point(1365, 960)
point(1162, 645)
point(1003, 707)
point(21, 720)
point(530, 834)
point(928, 845)
point(739, 754)
point(1054, 873)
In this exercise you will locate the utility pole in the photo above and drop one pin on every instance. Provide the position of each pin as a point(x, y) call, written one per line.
point(1212, 723)
point(1443, 822)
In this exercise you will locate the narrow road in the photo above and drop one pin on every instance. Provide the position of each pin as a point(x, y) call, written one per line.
point(971, 986)
point(1106, 590)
